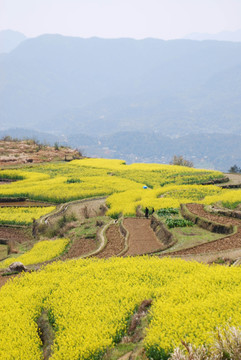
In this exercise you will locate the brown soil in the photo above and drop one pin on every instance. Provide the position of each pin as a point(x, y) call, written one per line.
point(199, 210)
point(17, 234)
point(142, 238)
point(227, 243)
point(82, 210)
point(27, 152)
point(115, 242)
point(80, 247)
point(4, 279)
point(24, 203)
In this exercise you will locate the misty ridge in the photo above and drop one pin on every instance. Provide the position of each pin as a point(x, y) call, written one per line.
point(139, 98)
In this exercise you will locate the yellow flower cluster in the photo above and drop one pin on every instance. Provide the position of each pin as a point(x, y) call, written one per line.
point(164, 197)
point(228, 198)
point(168, 185)
point(42, 251)
point(90, 301)
point(22, 215)
point(192, 311)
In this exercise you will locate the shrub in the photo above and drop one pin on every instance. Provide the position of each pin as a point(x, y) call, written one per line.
point(234, 169)
point(179, 160)
point(227, 346)
point(73, 181)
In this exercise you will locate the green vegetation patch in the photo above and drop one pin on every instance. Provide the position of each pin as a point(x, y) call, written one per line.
point(191, 236)
point(172, 218)
point(167, 211)
point(171, 223)
point(73, 181)
point(231, 205)
point(89, 228)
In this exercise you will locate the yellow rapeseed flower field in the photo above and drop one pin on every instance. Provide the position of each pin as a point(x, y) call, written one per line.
point(167, 185)
point(23, 215)
point(90, 301)
point(42, 251)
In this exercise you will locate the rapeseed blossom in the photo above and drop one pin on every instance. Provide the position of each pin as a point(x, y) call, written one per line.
point(90, 301)
point(168, 185)
point(23, 215)
point(42, 251)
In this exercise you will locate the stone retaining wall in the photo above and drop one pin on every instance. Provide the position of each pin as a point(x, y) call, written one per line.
point(162, 233)
point(230, 213)
point(205, 223)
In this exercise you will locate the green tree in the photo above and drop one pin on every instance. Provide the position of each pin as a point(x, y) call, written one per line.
point(234, 169)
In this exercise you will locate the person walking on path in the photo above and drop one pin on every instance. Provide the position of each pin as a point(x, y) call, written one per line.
point(146, 212)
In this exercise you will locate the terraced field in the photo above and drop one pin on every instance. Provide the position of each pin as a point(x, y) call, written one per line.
point(90, 303)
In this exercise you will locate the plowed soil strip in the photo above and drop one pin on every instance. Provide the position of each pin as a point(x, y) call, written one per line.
point(198, 209)
point(227, 243)
point(142, 238)
point(80, 247)
point(115, 242)
point(17, 234)
point(24, 204)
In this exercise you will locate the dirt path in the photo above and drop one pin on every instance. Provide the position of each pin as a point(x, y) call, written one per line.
point(115, 242)
point(142, 238)
point(234, 179)
point(227, 243)
point(233, 183)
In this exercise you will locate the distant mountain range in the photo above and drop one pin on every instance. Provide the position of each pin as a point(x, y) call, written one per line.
point(213, 151)
point(100, 86)
point(222, 36)
point(141, 100)
point(9, 40)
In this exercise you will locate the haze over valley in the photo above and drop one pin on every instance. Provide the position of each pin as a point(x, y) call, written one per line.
point(144, 100)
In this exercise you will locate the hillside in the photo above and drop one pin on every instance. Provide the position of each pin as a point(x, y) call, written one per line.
point(99, 86)
point(120, 256)
point(9, 40)
point(14, 152)
point(212, 151)
point(77, 231)
point(222, 36)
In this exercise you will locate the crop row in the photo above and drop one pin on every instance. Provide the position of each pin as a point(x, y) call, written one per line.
point(41, 251)
point(22, 215)
point(167, 186)
point(90, 301)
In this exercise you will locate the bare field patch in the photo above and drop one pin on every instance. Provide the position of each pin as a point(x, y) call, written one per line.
point(142, 239)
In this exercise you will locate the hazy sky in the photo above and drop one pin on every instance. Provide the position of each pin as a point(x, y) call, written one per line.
point(165, 19)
